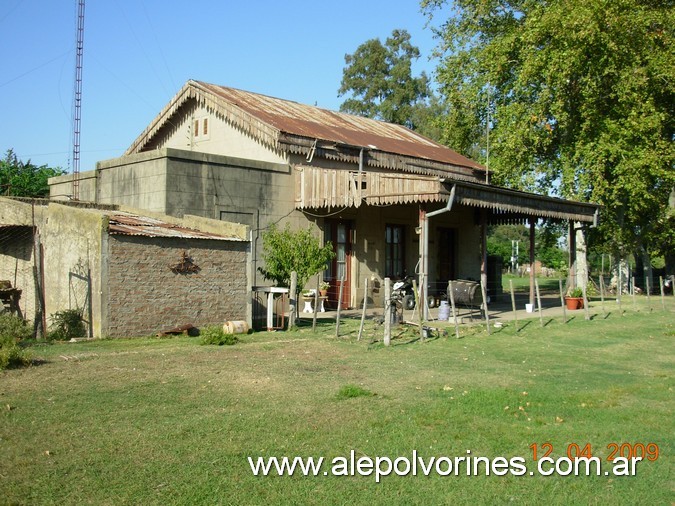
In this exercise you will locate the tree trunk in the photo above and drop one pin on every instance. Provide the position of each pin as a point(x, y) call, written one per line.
point(581, 269)
point(647, 270)
point(620, 267)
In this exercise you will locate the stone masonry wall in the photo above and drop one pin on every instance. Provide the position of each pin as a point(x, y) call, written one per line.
point(145, 296)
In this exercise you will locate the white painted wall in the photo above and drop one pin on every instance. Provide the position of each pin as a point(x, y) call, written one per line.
point(222, 138)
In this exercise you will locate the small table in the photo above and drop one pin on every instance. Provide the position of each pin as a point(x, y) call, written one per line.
point(10, 299)
point(271, 291)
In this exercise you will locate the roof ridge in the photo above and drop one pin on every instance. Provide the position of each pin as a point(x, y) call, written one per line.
point(274, 122)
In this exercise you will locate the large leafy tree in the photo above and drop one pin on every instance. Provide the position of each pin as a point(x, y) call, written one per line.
point(579, 97)
point(24, 179)
point(379, 82)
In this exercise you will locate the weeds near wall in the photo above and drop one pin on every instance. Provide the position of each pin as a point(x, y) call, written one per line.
point(13, 330)
point(66, 325)
point(215, 335)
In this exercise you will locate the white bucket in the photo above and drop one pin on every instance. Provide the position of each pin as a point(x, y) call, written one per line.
point(444, 310)
point(235, 327)
point(529, 308)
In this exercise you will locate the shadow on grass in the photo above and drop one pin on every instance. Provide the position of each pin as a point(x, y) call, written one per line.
point(523, 326)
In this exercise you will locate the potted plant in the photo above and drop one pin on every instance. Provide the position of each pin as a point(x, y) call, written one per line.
point(323, 288)
point(575, 299)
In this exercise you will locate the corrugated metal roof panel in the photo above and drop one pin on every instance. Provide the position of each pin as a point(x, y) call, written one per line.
point(289, 125)
point(131, 224)
point(317, 123)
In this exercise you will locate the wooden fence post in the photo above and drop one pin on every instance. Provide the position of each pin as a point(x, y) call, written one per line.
point(293, 300)
point(483, 290)
point(365, 304)
point(418, 305)
point(513, 304)
point(316, 302)
point(451, 296)
point(562, 301)
point(541, 317)
point(339, 306)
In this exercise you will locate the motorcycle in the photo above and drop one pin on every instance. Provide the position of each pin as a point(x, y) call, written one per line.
point(403, 294)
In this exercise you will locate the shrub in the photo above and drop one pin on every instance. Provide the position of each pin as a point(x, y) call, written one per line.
point(215, 335)
point(14, 327)
point(13, 330)
point(11, 354)
point(66, 325)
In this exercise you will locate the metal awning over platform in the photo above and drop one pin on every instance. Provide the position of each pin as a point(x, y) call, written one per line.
point(512, 206)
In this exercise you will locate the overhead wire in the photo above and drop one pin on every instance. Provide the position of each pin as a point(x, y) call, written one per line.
point(35, 68)
point(142, 47)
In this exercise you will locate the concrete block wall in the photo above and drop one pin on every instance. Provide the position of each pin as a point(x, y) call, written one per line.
point(145, 296)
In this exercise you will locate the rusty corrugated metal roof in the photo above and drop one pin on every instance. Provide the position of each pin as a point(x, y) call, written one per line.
point(317, 123)
point(131, 224)
point(278, 123)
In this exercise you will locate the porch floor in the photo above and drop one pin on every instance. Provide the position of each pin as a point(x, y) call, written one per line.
point(499, 310)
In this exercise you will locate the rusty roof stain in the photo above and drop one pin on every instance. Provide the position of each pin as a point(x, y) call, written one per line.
point(131, 224)
point(273, 119)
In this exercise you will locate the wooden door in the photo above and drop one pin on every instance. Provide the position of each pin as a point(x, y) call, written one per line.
point(447, 238)
point(339, 233)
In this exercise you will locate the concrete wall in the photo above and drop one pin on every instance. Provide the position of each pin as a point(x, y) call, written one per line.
point(71, 240)
point(221, 137)
point(74, 248)
point(138, 181)
point(180, 183)
point(145, 296)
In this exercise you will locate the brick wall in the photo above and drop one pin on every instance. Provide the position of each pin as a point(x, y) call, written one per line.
point(145, 296)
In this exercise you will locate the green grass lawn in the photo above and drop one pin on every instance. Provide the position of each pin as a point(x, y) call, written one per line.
point(150, 421)
point(522, 284)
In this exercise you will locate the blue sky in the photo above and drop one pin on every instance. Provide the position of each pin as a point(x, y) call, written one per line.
point(138, 54)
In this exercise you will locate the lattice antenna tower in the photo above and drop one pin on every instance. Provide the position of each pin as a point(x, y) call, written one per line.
point(77, 100)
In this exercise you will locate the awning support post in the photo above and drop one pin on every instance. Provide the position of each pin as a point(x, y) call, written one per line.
point(532, 266)
point(424, 260)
